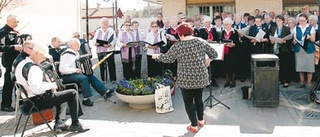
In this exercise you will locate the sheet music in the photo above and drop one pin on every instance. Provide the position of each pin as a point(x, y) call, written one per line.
point(288, 37)
point(171, 37)
point(259, 35)
point(220, 50)
point(299, 42)
point(275, 39)
point(244, 30)
point(278, 40)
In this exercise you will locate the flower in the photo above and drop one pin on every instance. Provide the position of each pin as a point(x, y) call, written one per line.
point(142, 86)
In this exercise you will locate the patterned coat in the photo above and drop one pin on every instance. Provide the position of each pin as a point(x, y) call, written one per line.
point(190, 55)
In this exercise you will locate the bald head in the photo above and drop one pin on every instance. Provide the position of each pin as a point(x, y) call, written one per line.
point(12, 21)
point(28, 46)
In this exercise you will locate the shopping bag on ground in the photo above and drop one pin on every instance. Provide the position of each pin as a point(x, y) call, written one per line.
point(163, 99)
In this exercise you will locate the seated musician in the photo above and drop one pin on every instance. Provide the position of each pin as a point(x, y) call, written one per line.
point(72, 74)
point(54, 48)
point(43, 93)
point(27, 50)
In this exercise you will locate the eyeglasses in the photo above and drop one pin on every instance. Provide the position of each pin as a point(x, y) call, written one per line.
point(127, 25)
point(76, 36)
point(183, 18)
point(29, 48)
point(154, 26)
point(301, 20)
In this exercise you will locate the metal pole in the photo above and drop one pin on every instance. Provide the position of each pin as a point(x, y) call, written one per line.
point(87, 22)
point(113, 21)
point(87, 47)
point(116, 15)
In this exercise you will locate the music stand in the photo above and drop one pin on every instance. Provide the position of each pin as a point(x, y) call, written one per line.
point(208, 102)
point(105, 78)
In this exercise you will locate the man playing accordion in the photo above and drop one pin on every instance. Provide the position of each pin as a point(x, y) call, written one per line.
point(71, 74)
point(43, 92)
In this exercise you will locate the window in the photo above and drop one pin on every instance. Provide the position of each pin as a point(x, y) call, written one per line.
point(204, 10)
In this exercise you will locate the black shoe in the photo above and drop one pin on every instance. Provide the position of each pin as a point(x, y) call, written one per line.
point(227, 84)
point(87, 102)
point(108, 94)
point(285, 85)
point(78, 128)
point(7, 109)
point(303, 86)
point(242, 80)
point(60, 126)
point(233, 84)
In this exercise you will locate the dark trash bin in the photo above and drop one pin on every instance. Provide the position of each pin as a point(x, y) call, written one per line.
point(265, 78)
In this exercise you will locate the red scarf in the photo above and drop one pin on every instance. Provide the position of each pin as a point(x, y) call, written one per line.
point(210, 36)
point(173, 32)
point(227, 37)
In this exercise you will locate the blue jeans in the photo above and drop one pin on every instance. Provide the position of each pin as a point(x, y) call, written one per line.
point(84, 82)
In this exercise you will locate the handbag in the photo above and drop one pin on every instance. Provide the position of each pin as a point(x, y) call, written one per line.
point(163, 99)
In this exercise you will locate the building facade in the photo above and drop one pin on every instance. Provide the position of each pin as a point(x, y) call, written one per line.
point(208, 7)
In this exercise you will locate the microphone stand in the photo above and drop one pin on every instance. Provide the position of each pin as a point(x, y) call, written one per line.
point(208, 101)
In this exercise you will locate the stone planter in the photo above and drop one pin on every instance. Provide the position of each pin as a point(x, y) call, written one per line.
point(137, 102)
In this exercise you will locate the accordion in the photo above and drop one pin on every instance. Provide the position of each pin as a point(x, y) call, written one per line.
point(20, 39)
point(84, 63)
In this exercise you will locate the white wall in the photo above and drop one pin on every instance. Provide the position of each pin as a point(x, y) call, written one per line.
point(47, 18)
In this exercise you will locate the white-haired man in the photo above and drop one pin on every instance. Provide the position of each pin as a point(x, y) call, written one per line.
point(71, 74)
point(42, 91)
point(10, 50)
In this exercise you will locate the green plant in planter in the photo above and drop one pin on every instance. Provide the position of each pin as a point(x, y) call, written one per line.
point(142, 86)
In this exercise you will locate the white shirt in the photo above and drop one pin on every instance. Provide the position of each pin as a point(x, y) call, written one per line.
point(303, 30)
point(68, 63)
point(135, 35)
point(35, 84)
point(110, 32)
point(119, 40)
point(150, 39)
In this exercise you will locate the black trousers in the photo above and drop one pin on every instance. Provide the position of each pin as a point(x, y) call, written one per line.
point(137, 71)
point(243, 62)
point(49, 100)
point(193, 104)
point(7, 88)
point(154, 67)
point(286, 64)
point(128, 70)
point(111, 67)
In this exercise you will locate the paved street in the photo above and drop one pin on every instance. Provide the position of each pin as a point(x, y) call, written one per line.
point(242, 120)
